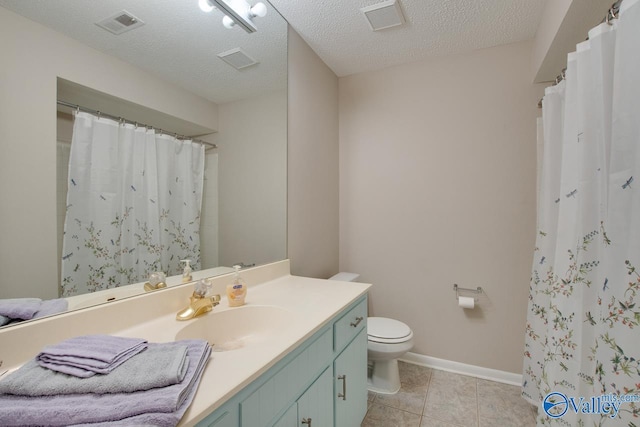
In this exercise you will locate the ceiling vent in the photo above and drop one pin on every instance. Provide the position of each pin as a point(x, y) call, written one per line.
point(120, 22)
point(384, 15)
point(237, 58)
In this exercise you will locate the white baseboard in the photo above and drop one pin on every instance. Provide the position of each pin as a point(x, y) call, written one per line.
point(463, 368)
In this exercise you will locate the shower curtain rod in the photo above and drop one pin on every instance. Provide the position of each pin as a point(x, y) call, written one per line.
point(611, 15)
point(123, 120)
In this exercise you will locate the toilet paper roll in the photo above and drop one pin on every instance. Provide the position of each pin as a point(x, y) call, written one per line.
point(466, 302)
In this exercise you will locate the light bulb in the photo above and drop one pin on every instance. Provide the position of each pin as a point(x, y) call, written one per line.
point(259, 9)
point(205, 5)
point(228, 22)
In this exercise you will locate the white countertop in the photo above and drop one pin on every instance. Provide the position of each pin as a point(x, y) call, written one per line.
point(311, 303)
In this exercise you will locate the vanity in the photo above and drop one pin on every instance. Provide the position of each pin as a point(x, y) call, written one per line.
point(295, 354)
point(321, 382)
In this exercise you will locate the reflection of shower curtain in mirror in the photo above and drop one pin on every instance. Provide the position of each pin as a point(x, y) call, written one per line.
point(133, 205)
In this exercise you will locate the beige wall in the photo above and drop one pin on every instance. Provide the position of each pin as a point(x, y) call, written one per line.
point(252, 149)
point(64, 133)
point(437, 186)
point(312, 164)
point(564, 24)
point(32, 59)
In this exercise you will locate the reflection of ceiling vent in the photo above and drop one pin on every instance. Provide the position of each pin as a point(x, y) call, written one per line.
point(120, 22)
point(237, 58)
point(383, 15)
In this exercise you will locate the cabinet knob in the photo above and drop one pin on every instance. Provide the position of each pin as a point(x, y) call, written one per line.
point(357, 322)
point(343, 395)
point(306, 421)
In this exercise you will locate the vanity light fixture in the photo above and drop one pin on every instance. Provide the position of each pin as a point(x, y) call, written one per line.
point(205, 6)
point(237, 12)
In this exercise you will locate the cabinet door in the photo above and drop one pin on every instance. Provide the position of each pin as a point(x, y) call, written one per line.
point(350, 377)
point(224, 420)
point(315, 406)
point(277, 393)
point(290, 418)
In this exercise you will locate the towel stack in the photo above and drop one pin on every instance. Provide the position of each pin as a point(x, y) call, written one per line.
point(89, 355)
point(104, 380)
point(18, 309)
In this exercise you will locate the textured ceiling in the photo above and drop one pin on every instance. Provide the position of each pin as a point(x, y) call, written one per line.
point(338, 32)
point(179, 43)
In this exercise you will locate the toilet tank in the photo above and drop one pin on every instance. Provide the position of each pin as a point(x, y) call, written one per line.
point(345, 277)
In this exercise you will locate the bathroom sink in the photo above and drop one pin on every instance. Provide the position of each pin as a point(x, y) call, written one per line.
point(237, 328)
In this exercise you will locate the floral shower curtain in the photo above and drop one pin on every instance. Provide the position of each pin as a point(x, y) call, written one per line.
point(582, 348)
point(133, 205)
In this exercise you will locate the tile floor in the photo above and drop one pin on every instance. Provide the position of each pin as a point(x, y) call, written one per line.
point(432, 398)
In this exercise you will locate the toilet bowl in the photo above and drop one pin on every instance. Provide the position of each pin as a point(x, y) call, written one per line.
point(387, 340)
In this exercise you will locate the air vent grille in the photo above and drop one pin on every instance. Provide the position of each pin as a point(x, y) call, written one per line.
point(384, 15)
point(120, 22)
point(237, 58)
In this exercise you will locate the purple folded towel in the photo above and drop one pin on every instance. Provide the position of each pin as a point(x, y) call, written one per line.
point(88, 355)
point(20, 308)
point(51, 306)
point(160, 365)
point(158, 407)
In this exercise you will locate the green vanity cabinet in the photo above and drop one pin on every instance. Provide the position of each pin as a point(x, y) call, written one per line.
point(307, 387)
point(314, 407)
point(350, 393)
point(285, 386)
point(223, 419)
point(290, 418)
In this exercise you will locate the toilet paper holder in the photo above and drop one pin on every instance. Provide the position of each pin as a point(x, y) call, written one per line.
point(476, 291)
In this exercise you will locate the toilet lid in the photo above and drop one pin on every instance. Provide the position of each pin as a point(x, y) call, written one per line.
point(382, 329)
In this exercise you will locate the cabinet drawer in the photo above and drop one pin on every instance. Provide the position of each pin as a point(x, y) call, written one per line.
point(349, 325)
point(286, 385)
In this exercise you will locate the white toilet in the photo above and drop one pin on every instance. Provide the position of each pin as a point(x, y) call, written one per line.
point(388, 339)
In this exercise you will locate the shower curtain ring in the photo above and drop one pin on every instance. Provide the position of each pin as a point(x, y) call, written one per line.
point(611, 15)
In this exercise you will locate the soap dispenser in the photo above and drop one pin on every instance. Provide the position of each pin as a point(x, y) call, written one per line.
point(236, 290)
point(186, 273)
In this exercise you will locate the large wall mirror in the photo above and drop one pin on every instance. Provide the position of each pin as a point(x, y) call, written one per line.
point(165, 77)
